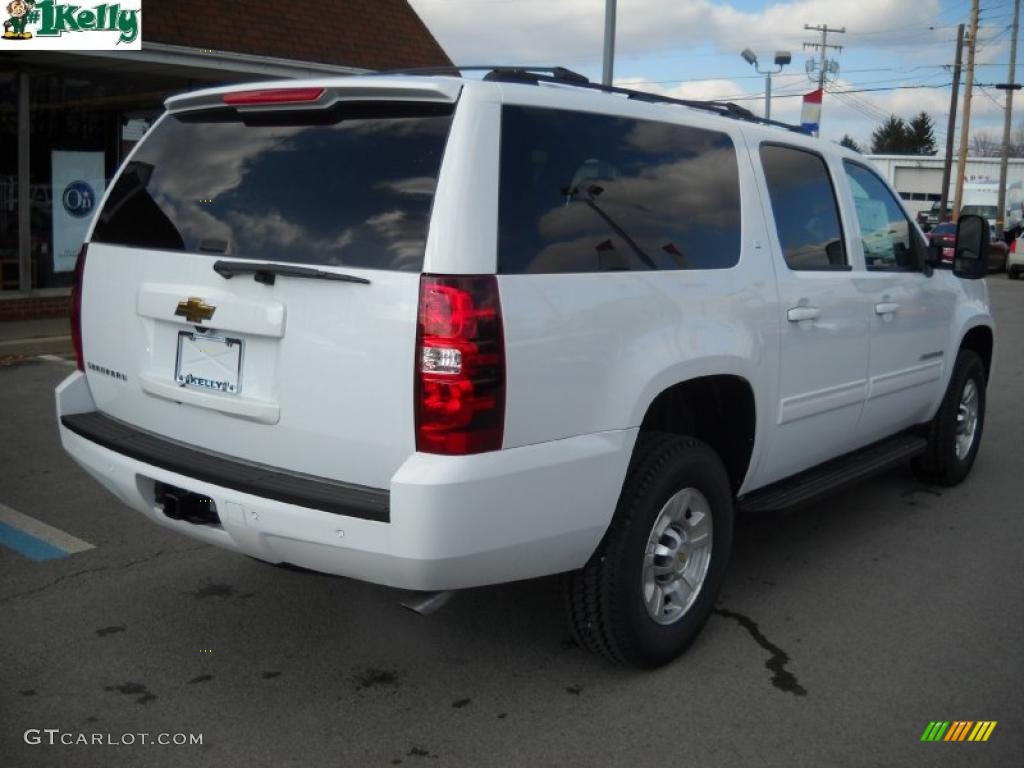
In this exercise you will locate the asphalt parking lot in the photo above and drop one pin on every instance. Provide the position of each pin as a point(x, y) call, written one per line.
point(843, 629)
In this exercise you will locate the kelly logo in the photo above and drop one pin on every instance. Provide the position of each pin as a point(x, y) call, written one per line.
point(52, 25)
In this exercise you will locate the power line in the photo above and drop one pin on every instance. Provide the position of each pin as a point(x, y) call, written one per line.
point(989, 96)
point(848, 90)
point(906, 70)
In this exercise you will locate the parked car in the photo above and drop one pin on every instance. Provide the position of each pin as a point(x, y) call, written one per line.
point(435, 332)
point(1015, 261)
point(944, 236)
point(997, 253)
point(929, 218)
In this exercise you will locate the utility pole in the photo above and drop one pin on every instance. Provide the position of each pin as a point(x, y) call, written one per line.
point(825, 64)
point(947, 167)
point(609, 41)
point(965, 124)
point(1009, 86)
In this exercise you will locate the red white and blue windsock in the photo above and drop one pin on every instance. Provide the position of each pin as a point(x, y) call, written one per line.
point(810, 117)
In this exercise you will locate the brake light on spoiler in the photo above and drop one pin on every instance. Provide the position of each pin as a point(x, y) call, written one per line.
point(273, 96)
point(460, 366)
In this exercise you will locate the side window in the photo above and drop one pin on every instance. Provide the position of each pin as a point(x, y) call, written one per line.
point(583, 192)
point(804, 207)
point(890, 240)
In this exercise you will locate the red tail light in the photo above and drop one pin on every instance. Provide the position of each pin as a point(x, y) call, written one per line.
point(460, 366)
point(76, 307)
point(273, 96)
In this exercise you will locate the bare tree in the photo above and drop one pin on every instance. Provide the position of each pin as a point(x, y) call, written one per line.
point(1017, 140)
point(985, 145)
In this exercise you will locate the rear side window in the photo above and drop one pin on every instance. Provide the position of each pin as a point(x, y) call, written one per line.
point(353, 186)
point(804, 206)
point(890, 240)
point(582, 192)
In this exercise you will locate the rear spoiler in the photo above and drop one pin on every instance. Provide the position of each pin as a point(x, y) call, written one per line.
point(319, 93)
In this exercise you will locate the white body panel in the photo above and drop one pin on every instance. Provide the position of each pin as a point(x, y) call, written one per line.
point(326, 386)
point(328, 369)
point(455, 521)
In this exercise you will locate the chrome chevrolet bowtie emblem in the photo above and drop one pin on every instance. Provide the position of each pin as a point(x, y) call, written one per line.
point(195, 310)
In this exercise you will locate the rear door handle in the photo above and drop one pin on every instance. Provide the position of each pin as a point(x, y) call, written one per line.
point(796, 314)
point(886, 308)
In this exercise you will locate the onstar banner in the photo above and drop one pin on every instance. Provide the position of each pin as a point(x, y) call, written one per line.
point(77, 189)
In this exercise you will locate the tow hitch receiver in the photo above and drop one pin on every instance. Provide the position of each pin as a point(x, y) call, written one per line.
point(179, 504)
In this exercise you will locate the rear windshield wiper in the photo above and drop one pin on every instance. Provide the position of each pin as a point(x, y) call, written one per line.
point(267, 273)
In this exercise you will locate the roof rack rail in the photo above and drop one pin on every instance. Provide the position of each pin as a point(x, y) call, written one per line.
point(563, 76)
point(494, 72)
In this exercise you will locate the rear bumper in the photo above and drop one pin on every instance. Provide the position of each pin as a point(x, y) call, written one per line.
point(454, 521)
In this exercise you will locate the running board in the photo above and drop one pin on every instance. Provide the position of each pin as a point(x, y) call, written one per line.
point(832, 475)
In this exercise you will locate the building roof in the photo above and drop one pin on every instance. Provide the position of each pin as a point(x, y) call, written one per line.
point(938, 160)
point(367, 34)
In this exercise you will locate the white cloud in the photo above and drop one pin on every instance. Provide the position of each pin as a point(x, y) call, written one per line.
point(899, 33)
point(721, 89)
point(543, 31)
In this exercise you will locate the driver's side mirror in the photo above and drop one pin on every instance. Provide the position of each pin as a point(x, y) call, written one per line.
point(970, 256)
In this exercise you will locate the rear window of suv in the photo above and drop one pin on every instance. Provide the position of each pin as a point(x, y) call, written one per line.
point(583, 192)
point(352, 186)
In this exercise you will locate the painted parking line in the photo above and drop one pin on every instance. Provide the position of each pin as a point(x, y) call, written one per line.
point(35, 539)
point(35, 340)
point(57, 359)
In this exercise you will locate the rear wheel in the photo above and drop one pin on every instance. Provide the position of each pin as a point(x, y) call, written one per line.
point(955, 432)
point(650, 586)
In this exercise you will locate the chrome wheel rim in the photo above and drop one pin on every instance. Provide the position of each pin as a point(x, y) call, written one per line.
point(967, 420)
point(677, 556)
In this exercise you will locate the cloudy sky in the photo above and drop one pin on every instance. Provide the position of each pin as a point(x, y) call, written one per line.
point(896, 53)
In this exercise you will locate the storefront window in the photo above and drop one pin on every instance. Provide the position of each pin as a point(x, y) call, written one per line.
point(81, 125)
point(74, 138)
point(82, 122)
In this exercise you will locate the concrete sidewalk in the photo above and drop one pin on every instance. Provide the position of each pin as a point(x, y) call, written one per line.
point(36, 337)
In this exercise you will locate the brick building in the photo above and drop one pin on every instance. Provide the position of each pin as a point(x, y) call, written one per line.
point(94, 105)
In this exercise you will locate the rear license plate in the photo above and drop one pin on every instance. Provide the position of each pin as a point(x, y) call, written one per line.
point(208, 361)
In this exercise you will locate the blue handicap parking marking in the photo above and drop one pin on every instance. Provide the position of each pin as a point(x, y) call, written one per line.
point(35, 539)
point(28, 545)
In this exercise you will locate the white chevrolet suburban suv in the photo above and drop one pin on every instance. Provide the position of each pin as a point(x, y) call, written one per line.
point(436, 332)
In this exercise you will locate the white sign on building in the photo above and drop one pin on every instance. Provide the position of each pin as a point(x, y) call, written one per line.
point(78, 184)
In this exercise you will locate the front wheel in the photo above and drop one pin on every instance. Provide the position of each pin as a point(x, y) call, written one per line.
point(645, 594)
point(955, 432)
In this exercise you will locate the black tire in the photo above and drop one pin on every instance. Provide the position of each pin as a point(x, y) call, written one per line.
point(1012, 274)
point(940, 463)
point(604, 600)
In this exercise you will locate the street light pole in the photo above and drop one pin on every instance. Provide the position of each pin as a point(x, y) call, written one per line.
point(782, 58)
point(609, 42)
